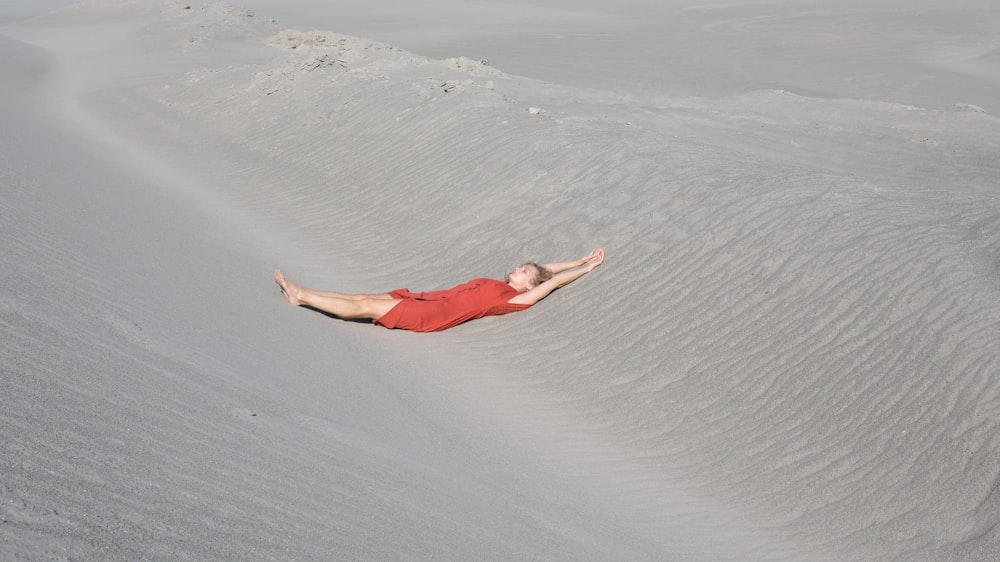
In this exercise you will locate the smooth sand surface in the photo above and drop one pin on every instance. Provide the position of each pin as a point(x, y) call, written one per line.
point(790, 353)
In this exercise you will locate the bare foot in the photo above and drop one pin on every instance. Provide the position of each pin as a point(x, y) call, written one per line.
point(291, 290)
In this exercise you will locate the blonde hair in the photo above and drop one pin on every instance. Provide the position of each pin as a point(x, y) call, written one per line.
point(543, 274)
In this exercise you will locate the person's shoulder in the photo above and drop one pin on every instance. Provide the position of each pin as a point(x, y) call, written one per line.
point(485, 281)
point(491, 286)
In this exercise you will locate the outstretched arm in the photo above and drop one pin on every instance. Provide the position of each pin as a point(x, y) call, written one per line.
point(565, 273)
point(563, 266)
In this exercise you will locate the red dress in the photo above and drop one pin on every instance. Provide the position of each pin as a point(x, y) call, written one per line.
point(440, 310)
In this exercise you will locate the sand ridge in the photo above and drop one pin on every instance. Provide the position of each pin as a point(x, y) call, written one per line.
point(788, 355)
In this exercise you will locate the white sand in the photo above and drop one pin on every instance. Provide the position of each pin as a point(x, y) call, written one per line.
point(790, 353)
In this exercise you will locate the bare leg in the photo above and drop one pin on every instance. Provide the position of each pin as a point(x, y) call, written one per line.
point(333, 294)
point(355, 297)
point(343, 306)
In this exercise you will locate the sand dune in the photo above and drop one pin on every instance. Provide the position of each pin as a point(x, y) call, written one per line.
point(790, 354)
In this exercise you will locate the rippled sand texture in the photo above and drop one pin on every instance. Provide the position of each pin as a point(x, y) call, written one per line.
point(791, 352)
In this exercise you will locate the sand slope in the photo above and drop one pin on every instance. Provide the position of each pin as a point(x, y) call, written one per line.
point(789, 354)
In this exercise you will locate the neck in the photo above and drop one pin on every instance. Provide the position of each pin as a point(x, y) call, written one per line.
point(518, 288)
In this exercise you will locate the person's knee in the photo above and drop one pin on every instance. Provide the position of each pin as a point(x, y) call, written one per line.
point(374, 307)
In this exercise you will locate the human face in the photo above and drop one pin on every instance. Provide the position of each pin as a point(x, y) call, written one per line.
point(523, 277)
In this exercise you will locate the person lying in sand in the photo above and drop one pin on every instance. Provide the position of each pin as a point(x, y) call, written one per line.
point(440, 310)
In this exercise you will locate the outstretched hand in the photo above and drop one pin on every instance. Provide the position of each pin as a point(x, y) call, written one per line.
point(594, 258)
